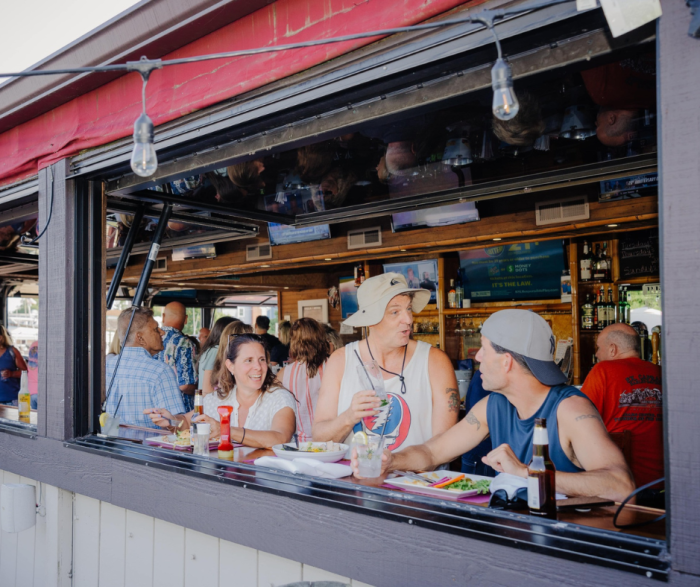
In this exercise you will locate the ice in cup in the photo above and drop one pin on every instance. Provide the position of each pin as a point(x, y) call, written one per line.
point(371, 377)
point(369, 457)
point(110, 425)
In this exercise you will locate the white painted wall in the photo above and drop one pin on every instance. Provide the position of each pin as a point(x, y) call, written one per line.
point(108, 546)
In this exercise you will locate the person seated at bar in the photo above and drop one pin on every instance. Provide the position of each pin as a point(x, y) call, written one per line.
point(419, 379)
point(264, 414)
point(207, 355)
point(231, 330)
point(280, 352)
point(628, 394)
point(262, 325)
point(333, 338)
point(310, 349)
point(526, 384)
point(140, 381)
point(178, 351)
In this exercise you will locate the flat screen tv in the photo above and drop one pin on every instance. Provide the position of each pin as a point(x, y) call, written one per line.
point(296, 202)
point(438, 216)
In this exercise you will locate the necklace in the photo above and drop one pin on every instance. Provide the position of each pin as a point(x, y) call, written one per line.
point(399, 375)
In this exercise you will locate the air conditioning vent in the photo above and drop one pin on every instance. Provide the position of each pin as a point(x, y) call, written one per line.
point(367, 237)
point(561, 211)
point(161, 265)
point(258, 252)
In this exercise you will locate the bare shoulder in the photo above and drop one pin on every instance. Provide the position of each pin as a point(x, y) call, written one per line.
point(439, 358)
point(577, 409)
point(336, 362)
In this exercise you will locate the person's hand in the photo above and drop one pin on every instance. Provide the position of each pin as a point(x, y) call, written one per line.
point(159, 416)
point(503, 460)
point(387, 460)
point(5, 373)
point(215, 425)
point(364, 403)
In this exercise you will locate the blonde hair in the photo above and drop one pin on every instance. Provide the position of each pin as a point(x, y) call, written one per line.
point(233, 329)
point(285, 332)
point(115, 346)
point(6, 335)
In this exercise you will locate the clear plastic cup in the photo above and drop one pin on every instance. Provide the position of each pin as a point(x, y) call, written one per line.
point(369, 457)
point(371, 377)
point(111, 427)
point(201, 439)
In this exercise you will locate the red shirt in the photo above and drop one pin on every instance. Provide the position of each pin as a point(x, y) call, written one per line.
point(628, 84)
point(628, 396)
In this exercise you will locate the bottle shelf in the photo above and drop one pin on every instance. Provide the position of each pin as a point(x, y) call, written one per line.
point(543, 308)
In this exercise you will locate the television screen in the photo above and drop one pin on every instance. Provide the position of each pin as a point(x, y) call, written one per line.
point(438, 216)
point(521, 271)
point(296, 202)
point(418, 274)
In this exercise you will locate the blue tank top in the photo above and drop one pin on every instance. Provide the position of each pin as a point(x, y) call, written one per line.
point(9, 388)
point(506, 427)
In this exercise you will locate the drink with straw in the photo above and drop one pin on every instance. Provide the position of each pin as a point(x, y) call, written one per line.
point(371, 377)
point(369, 457)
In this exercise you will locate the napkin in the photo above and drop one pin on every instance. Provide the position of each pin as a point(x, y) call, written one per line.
point(511, 483)
point(306, 467)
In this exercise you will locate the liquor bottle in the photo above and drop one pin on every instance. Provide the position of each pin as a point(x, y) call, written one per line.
point(611, 307)
point(452, 295)
point(596, 301)
point(587, 311)
point(626, 308)
point(602, 310)
point(541, 497)
point(359, 274)
point(606, 263)
point(24, 399)
point(459, 291)
point(598, 265)
point(585, 263)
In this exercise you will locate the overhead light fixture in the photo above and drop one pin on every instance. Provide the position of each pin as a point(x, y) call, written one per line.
point(285, 287)
point(264, 265)
point(505, 104)
point(612, 225)
point(403, 250)
point(328, 259)
point(498, 239)
point(144, 160)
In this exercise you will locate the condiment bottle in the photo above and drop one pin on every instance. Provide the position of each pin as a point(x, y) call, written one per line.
point(225, 446)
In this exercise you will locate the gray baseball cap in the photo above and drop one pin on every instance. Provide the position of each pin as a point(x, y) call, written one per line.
point(529, 335)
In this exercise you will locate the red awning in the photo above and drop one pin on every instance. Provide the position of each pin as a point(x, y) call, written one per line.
point(108, 113)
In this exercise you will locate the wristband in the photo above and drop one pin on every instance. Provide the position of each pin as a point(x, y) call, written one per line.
point(242, 439)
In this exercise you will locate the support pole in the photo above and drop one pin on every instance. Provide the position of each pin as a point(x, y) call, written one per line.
point(152, 254)
point(124, 257)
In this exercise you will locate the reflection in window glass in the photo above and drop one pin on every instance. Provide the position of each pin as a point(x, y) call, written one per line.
point(23, 322)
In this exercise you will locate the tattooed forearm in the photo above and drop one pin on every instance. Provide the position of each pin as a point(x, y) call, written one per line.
point(453, 399)
point(586, 416)
point(472, 419)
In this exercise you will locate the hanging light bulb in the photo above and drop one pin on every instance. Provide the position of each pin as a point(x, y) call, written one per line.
point(505, 103)
point(144, 161)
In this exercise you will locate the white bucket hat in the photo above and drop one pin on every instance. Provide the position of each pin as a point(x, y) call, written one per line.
point(376, 292)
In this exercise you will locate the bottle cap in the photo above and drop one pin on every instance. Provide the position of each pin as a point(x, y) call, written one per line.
point(203, 428)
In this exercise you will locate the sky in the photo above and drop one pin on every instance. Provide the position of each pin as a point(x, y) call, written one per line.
point(51, 24)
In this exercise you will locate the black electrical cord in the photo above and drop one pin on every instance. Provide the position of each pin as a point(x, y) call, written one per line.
point(25, 240)
point(626, 500)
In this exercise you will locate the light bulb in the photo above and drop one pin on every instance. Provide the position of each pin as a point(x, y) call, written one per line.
point(144, 161)
point(505, 103)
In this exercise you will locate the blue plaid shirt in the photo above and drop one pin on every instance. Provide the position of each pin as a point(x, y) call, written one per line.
point(178, 352)
point(143, 383)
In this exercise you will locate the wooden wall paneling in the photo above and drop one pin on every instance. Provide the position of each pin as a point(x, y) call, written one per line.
point(56, 295)
point(678, 123)
point(112, 545)
point(139, 550)
point(575, 308)
point(40, 540)
point(59, 537)
point(238, 565)
point(276, 571)
point(8, 543)
point(201, 559)
point(168, 554)
point(86, 541)
point(310, 573)
point(26, 543)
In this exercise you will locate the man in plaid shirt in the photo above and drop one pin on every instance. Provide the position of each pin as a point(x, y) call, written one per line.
point(178, 351)
point(140, 381)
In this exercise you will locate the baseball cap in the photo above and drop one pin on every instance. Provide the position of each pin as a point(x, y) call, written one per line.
point(529, 335)
point(375, 293)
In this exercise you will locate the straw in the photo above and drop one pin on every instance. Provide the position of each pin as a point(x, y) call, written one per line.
point(119, 403)
point(365, 370)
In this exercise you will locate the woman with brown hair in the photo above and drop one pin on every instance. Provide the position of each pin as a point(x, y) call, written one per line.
point(209, 351)
point(263, 413)
point(310, 349)
point(231, 330)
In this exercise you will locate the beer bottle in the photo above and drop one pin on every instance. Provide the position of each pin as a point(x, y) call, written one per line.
point(198, 411)
point(541, 499)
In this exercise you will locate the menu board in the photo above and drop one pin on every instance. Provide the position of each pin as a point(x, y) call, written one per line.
point(521, 271)
point(639, 254)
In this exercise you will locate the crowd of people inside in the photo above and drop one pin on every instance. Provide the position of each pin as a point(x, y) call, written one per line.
point(317, 391)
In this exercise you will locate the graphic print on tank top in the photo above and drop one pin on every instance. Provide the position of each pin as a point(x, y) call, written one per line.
point(397, 419)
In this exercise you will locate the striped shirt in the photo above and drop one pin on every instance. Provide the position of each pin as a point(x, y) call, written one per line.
point(296, 379)
point(143, 383)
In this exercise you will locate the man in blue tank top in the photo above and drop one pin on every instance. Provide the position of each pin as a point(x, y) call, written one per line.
point(517, 365)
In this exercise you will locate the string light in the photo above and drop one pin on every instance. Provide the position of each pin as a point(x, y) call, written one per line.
point(144, 161)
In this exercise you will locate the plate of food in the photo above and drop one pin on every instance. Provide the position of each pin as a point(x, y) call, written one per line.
point(178, 441)
point(326, 452)
point(443, 484)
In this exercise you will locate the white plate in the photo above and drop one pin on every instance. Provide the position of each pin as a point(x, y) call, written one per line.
point(408, 484)
point(324, 457)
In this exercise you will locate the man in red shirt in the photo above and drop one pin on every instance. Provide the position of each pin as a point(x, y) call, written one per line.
point(627, 392)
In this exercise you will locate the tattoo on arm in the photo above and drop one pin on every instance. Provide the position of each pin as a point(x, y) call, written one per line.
point(586, 416)
point(472, 419)
point(453, 399)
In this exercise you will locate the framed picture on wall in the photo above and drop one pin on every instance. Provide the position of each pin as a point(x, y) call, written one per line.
point(348, 296)
point(418, 274)
point(316, 309)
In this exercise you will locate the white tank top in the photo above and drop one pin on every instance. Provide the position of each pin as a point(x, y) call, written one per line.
point(410, 417)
